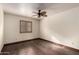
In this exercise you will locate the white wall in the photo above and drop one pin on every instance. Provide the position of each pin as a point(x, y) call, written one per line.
point(12, 28)
point(1, 28)
point(62, 28)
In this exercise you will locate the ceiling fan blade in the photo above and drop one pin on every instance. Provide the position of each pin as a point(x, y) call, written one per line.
point(45, 15)
point(34, 15)
point(43, 12)
point(35, 12)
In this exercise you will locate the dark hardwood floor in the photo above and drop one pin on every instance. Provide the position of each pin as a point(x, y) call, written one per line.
point(38, 47)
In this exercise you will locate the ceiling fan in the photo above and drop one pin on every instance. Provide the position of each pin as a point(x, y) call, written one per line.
point(40, 13)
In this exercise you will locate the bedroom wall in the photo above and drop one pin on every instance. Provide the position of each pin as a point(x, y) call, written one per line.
point(1, 28)
point(62, 28)
point(12, 28)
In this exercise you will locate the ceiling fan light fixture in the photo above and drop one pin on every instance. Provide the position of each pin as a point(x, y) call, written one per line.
point(41, 13)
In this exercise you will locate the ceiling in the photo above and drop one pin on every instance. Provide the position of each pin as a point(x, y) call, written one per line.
point(27, 9)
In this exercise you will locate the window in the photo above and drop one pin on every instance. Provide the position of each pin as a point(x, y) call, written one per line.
point(25, 26)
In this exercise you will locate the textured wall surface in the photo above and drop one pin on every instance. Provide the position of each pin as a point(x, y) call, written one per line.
point(62, 28)
point(12, 28)
point(1, 28)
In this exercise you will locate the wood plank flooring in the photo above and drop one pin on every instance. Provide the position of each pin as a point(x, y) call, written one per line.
point(38, 47)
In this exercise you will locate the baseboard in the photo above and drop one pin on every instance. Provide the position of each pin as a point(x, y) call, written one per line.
point(63, 45)
point(74, 49)
point(19, 42)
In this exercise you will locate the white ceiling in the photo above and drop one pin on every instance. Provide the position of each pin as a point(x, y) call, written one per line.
point(27, 9)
